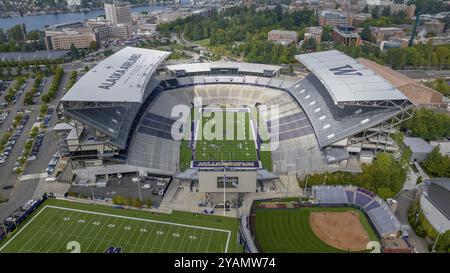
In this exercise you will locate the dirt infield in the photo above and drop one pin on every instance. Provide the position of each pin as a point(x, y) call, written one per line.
point(342, 230)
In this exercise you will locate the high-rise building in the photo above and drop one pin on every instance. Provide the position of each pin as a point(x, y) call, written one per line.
point(118, 13)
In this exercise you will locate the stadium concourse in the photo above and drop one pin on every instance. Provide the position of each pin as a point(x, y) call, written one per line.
point(120, 118)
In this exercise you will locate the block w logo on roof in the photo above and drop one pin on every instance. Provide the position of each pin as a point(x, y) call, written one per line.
point(345, 70)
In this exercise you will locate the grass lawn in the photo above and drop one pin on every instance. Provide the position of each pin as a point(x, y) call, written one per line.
point(97, 228)
point(289, 230)
point(204, 42)
point(185, 155)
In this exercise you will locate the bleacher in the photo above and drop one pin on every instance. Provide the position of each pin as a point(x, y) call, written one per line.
point(362, 200)
point(383, 220)
point(292, 126)
point(331, 195)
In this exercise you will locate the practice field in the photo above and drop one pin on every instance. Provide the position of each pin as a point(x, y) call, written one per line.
point(236, 143)
point(58, 226)
point(289, 230)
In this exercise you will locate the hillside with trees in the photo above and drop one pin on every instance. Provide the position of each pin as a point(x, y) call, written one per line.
point(242, 32)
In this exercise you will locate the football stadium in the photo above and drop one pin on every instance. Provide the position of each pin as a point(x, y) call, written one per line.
point(221, 131)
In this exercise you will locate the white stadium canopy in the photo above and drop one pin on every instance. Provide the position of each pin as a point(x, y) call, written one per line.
point(206, 67)
point(347, 80)
point(122, 77)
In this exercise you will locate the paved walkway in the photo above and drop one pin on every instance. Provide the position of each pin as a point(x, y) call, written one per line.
point(405, 198)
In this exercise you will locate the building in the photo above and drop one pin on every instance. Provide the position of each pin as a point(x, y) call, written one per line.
point(314, 33)
point(435, 205)
point(74, 2)
point(395, 245)
point(107, 30)
point(434, 26)
point(386, 33)
point(247, 3)
point(360, 18)
point(283, 37)
point(420, 148)
point(444, 147)
point(63, 39)
point(347, 35)
point(118, 13)
point(418, 93)
point(333, 18)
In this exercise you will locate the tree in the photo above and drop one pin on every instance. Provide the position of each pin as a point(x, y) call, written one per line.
point(309, 44)
point(137, 203)
point(149, 203)
point(366, 34)
point(436, 164)
point(375, 11)
point(386, 11)
point(365, 9)
point(429, 124)
point(74, 51)
point(118, 200)
point(93, 46)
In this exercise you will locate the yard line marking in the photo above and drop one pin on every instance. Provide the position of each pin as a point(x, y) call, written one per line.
point(36, 234)
point(53, 226)
point(165, 238)
point(140, 219)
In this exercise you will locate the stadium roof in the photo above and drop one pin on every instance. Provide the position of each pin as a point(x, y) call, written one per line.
point(206, 67)
point(122, 77)
point(348, 80)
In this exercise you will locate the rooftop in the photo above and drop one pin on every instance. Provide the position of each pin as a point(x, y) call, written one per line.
point(417, 145)
point(206, 67)
point(348, 80)
point(122, 77)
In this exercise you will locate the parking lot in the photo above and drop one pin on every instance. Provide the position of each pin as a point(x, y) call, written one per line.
point(44, 147)
point(128, 187)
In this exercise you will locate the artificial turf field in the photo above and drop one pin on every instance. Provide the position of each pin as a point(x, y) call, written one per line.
point(288, 230)
point(96, 228)
point(237, 144)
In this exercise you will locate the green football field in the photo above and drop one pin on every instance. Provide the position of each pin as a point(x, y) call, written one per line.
point(62, 227)
point(288, 230)
point(236, 143)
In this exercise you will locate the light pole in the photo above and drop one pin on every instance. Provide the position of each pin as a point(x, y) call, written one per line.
point(306, 183)
point(289, 177)
point(437, 239)
point(92, 193)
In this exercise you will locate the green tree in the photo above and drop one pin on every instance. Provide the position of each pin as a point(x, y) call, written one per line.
point(137, 203)
point(386, 11)
point(443, 243)
point(74, 51)
point(436, 164)
point(366, 34)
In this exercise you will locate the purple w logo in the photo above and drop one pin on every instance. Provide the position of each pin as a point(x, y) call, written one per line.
point(345, 70)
